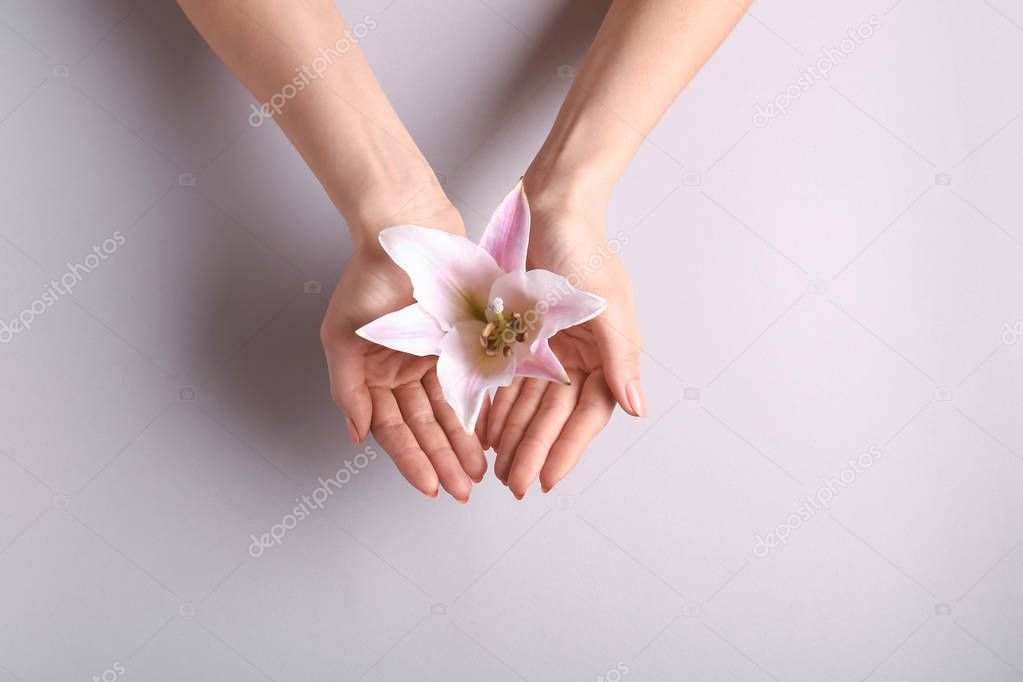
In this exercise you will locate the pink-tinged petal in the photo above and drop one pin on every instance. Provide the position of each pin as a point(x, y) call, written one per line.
point(451, 276)
point(465, 372)
point(547, 302)
point(409, 330)
point(540, 362)
point(507, 233)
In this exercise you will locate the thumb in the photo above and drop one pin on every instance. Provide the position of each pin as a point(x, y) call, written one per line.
point(620, 343)
point(346, 364)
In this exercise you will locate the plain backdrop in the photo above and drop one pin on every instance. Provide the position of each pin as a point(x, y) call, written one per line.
point(843, 277)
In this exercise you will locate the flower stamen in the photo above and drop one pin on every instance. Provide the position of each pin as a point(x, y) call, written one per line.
point(500, 335)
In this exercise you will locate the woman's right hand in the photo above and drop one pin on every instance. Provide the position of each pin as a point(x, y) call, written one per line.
point(396, 395)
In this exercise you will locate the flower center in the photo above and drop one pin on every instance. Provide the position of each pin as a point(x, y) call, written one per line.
point(500, 336)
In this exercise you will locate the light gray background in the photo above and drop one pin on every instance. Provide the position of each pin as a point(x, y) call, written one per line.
point(813, 283)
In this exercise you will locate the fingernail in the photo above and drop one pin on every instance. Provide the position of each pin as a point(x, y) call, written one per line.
point(352, 431)
point(517, 496)
point(544, 489)
point(637, 400)
point(434, 494)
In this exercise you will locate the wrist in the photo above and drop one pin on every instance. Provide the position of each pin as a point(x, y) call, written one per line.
point(582, 158)
point(566, 196)
point(568, 178)
point(382, 205)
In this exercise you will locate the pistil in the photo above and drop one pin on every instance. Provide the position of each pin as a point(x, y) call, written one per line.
point(501, 335)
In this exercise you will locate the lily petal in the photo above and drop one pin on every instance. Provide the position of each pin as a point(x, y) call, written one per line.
point(546, 300)
point(507, 233)
point(451, 276)
point(465, 372)
point(409, 330)
point(541, 362)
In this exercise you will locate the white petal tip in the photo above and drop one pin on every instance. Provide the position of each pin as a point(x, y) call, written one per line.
point(408, 330)
point(468, 422)
point(389, 237)
point(600, 305)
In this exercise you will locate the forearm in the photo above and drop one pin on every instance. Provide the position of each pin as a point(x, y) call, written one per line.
point(645, 53)
point(300, 57)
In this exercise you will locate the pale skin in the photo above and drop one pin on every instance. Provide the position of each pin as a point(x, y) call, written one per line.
point(354, 142)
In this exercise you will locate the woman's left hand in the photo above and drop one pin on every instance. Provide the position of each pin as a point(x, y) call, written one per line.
point(540, 428)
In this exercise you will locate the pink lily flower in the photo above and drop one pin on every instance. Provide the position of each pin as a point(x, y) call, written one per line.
point(478, 308)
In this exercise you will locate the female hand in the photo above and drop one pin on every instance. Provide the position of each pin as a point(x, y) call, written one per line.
point(542, 428)
point(396, 395)
point(644, 54)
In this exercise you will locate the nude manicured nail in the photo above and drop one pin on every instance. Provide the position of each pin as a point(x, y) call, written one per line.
point(637, 399)
point(352, 431)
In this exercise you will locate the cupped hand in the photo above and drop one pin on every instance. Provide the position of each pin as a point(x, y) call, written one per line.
point(540, 428)
point(395, 395)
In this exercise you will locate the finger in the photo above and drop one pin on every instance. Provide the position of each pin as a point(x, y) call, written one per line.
point(591, 414)
point(559, 400)
point(620, 343)
point(519, 417)
point(466, 445)
point(347, 370)
point(503, 400)
point(481, 423)
point(417, 410)
point(397, 439)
